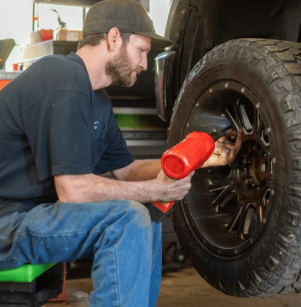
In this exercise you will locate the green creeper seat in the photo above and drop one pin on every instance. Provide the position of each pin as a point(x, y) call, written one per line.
point(30, 285)
point(26, 273)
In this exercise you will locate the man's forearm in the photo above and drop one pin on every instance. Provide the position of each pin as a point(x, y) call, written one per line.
point(139, 170)
point(92, 188)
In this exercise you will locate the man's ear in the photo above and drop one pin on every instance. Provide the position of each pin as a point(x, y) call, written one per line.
point(114, 40)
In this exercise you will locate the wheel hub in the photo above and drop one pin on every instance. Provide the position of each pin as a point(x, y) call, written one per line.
point(251, 168)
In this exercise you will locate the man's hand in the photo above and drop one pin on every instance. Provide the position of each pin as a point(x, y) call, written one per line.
point(224, 153)
point(169, 189)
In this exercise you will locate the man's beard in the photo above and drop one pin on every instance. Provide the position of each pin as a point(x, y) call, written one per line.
point(120, 69)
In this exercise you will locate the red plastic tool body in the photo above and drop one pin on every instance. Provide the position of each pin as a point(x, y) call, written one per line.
point(179, 161)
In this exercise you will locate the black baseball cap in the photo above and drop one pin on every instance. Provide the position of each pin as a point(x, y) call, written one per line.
point(129, 16)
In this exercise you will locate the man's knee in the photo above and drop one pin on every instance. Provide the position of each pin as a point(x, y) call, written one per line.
point(123, 211)
point(138, 212)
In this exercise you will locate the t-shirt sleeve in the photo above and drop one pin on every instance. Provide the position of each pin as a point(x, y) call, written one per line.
point(57, 128)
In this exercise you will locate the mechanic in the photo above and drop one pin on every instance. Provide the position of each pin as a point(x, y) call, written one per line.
point(57, 135)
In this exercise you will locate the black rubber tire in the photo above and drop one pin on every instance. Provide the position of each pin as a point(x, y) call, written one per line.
point(263, 259)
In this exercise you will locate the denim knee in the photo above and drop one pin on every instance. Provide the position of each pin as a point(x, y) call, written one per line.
point(120, 215)
point(139, 212)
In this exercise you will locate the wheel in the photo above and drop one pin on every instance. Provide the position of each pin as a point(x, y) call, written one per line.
point(240, 224)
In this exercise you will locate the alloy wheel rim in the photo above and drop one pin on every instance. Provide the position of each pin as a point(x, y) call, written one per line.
point(239, 197)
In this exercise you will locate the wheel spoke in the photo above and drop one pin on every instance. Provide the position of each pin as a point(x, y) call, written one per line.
point(257, 120)
point(218, 185)
point(236, 125)
point(236, 113)
point(245, 221)
point(235, 217)
point(259, 212)
point(263, 136)
point(244, 119)
point(265, 199)
point(225, 191)
point(260, 125)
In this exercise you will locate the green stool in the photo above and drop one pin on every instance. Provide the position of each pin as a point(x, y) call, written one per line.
point(30, 285)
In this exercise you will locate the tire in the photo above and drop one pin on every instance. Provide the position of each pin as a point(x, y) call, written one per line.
point(240, 224)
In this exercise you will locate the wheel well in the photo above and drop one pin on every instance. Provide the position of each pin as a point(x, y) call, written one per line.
point(197, 26)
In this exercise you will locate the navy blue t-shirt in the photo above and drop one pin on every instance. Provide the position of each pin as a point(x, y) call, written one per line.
point(53, 123)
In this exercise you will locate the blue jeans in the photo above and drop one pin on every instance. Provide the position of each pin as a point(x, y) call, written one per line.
point(120, 236)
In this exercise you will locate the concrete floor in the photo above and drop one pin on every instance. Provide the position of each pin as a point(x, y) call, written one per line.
point(184, 288)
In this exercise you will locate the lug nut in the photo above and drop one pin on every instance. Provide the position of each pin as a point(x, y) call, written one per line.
point(248, 180)
point(233, 135)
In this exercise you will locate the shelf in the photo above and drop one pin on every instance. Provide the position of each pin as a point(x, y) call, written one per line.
point(69, 2)
point(33, 52)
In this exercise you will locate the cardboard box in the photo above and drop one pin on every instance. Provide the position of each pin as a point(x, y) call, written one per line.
point(69, 35)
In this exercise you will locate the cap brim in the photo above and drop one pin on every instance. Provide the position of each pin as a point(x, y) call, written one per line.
point(158, 41)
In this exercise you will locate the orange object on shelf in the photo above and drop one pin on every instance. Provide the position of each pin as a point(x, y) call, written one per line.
point(41, 36)
point(46, 34)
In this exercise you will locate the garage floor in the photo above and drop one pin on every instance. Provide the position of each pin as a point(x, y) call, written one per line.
point(184, 288)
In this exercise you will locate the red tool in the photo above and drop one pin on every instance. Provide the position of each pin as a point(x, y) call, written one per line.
point(179, 161)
